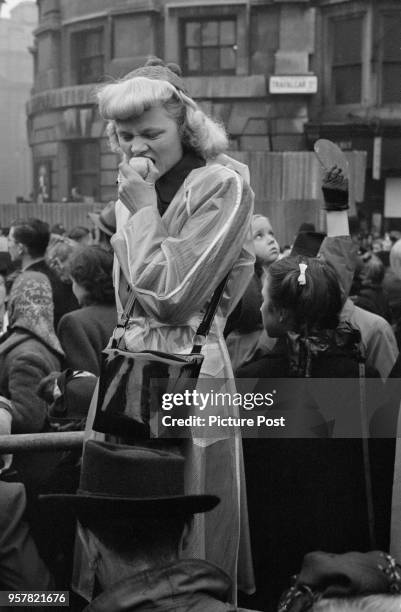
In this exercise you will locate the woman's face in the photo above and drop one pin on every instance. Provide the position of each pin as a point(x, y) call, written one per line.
point(272, 317)
point(154, 135)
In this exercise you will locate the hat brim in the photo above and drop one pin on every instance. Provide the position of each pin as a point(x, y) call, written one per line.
point(96, 220)
point(102, 505)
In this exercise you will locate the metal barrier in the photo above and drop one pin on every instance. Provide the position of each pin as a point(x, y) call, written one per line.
point(16, 443)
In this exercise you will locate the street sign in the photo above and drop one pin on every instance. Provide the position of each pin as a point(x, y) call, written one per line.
point(293, 84)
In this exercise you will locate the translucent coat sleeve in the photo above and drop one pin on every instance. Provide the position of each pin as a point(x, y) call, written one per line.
point(174, 271)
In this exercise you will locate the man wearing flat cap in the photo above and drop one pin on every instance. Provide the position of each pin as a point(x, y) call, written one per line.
point(136, 518)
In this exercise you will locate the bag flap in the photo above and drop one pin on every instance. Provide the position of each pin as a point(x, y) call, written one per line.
point(168, 358)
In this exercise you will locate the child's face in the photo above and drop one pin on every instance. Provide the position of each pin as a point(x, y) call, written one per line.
point(266, 246)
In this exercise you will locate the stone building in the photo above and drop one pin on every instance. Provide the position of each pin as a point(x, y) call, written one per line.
point(16, 78)
point(358, 103)
point(279, 73)
point(227, 50)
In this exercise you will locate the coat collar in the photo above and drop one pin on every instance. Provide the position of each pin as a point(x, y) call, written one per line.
point(17, 335)
point(167, 588)
point(11, 339)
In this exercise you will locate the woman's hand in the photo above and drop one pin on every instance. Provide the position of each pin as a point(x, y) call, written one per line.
point(335, 190)
point(136, 181)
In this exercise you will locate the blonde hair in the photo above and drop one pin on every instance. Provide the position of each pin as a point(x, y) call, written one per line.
point(369, 603)
point(131, 96)
point(257, 216)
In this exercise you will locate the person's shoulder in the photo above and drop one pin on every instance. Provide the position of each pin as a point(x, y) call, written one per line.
point(372, 319)
point(359, 316)
point(215, 173)
point(222, 169)
point(93, 311)
point(234, 165)
point(70, 318)
point(91, 316)
point(74, 319)
point(19, 342)
point(43, 267)
point(30, 353)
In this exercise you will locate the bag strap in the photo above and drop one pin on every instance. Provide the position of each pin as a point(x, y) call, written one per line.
point(201, 332)
point(206, 323)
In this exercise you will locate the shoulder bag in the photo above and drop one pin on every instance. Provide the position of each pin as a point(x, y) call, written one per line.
point(132, 384)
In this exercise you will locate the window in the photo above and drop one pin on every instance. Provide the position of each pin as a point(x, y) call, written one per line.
point(45, 56)
point(346, 60)
point(363, 53)
point(87, 55)
point(84, 164)
point(209, 46)
point(43, 173)
point(390, 46)
point(132, 36)
point(264, 39)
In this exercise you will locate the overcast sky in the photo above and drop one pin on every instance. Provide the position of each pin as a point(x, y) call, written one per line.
point(9, 4)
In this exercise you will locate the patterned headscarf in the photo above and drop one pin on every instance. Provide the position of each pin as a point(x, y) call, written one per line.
point(30, 307)
point(353, 574)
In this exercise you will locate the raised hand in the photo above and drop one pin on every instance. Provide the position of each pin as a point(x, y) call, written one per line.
point(335, 189)
point(136, 183)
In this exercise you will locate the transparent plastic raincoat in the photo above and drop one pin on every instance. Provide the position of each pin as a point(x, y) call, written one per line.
point(174, 263)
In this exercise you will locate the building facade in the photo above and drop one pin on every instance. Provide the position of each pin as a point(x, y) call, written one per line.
point(358, 104)
point(227, 50)
point(278, 73)
point(16, 78)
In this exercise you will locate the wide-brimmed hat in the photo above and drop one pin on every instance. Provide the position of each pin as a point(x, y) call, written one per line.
point(105, 219)
point(123, 481)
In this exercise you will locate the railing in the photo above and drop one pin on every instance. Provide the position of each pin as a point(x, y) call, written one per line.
point(15, 443)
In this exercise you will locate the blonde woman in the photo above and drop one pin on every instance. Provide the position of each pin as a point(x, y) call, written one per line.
point(183, 223)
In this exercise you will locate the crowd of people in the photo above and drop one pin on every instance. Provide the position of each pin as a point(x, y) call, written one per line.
point(202, 523)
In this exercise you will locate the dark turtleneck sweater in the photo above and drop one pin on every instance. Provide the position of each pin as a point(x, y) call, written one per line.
point(168, 185)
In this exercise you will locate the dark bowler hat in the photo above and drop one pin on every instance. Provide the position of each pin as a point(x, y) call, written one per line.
point(307, 244)
point(106, 219)
point(122, 481)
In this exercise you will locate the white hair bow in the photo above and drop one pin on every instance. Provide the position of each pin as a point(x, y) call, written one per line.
point(302, 278)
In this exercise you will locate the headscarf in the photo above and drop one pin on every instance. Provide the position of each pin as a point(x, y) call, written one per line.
point(156, 68)
point(353, 574)
point(30, 308)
